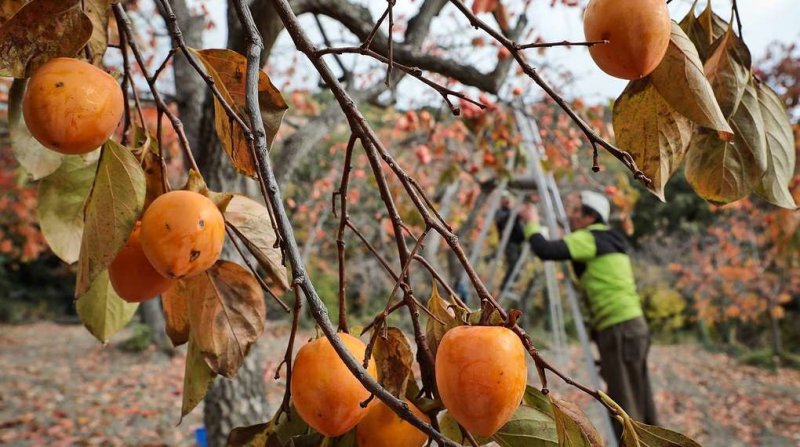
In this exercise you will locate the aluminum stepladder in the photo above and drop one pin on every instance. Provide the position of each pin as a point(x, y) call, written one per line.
point(554, 213)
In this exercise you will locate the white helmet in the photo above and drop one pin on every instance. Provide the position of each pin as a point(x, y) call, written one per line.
point(597, 202)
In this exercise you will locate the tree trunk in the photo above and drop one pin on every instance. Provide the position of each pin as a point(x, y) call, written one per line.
point(237, 402)
point(242, 400)
point(154, 318)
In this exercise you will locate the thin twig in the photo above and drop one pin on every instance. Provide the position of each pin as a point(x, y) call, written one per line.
point(445, 92)
point(125, 26)
point(340, 245)
point(563, 43)
point(287, 357)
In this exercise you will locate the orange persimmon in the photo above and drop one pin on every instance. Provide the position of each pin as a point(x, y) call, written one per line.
point(71, 106)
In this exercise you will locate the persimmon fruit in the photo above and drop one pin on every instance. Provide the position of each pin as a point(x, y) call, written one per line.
point(382, 427)
point(182, 234)
point(132, 276)
point(481, 376)
point(325, 393)
point(637, 32)
point(71, 106)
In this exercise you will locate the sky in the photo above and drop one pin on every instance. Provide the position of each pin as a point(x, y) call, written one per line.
point(764, 22)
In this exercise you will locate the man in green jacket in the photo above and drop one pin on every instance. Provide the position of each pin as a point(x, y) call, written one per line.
point(600, 260)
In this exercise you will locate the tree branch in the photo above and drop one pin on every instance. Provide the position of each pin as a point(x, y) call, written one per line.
point(267, 176)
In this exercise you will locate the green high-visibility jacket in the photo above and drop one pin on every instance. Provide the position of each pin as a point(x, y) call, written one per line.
point(600, 260)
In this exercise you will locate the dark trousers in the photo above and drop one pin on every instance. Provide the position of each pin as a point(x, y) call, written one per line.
point(512, 253)
point(623, 365)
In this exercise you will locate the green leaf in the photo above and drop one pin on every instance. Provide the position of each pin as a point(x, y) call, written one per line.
point(748, 124)
point(728, 70)
point(197, 377)
point(703, 30)
point(228, 69)
point(348, 439)
point(113, 206)
point(251, 436)
point(726, 171)
point(40, 31)
point(528, 427)
point(60, 209)
point(781, 156)
point(102, 311)
point(435, 330)
point(449, 427)
point(652, 131)
point(37, 160)
point(572, 425)
point(253, 222)
point(534, 397)
point(680, 80)
point(394, 360)
point(652, 436)
point(98, 12)
point(292, 426)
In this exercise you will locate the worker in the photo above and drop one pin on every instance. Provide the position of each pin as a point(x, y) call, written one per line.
point(513, 248)
point(600, 261)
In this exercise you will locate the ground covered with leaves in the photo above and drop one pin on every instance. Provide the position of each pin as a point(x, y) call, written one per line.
point(60, 387)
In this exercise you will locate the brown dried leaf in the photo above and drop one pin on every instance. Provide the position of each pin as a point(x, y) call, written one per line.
point(654, 133)
point(680, 80)
point(703, 30)
point(176, 312)
point(226, 315)
point(8, 8)
point(111, 210)
point(228, 68)
point(394, 360)
point(252, 221)
point(40, 31)
point(440, 309)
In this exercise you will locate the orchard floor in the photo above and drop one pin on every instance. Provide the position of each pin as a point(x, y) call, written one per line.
point(59, 387)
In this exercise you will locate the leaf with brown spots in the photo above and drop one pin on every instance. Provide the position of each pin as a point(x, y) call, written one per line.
point(111, 210)
point(102, 311)
point(176, 312)
point(252, 221)
point(228, 69)
point(40, 31)
point(226, 314)
point(654, 133)
point(394, 360)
